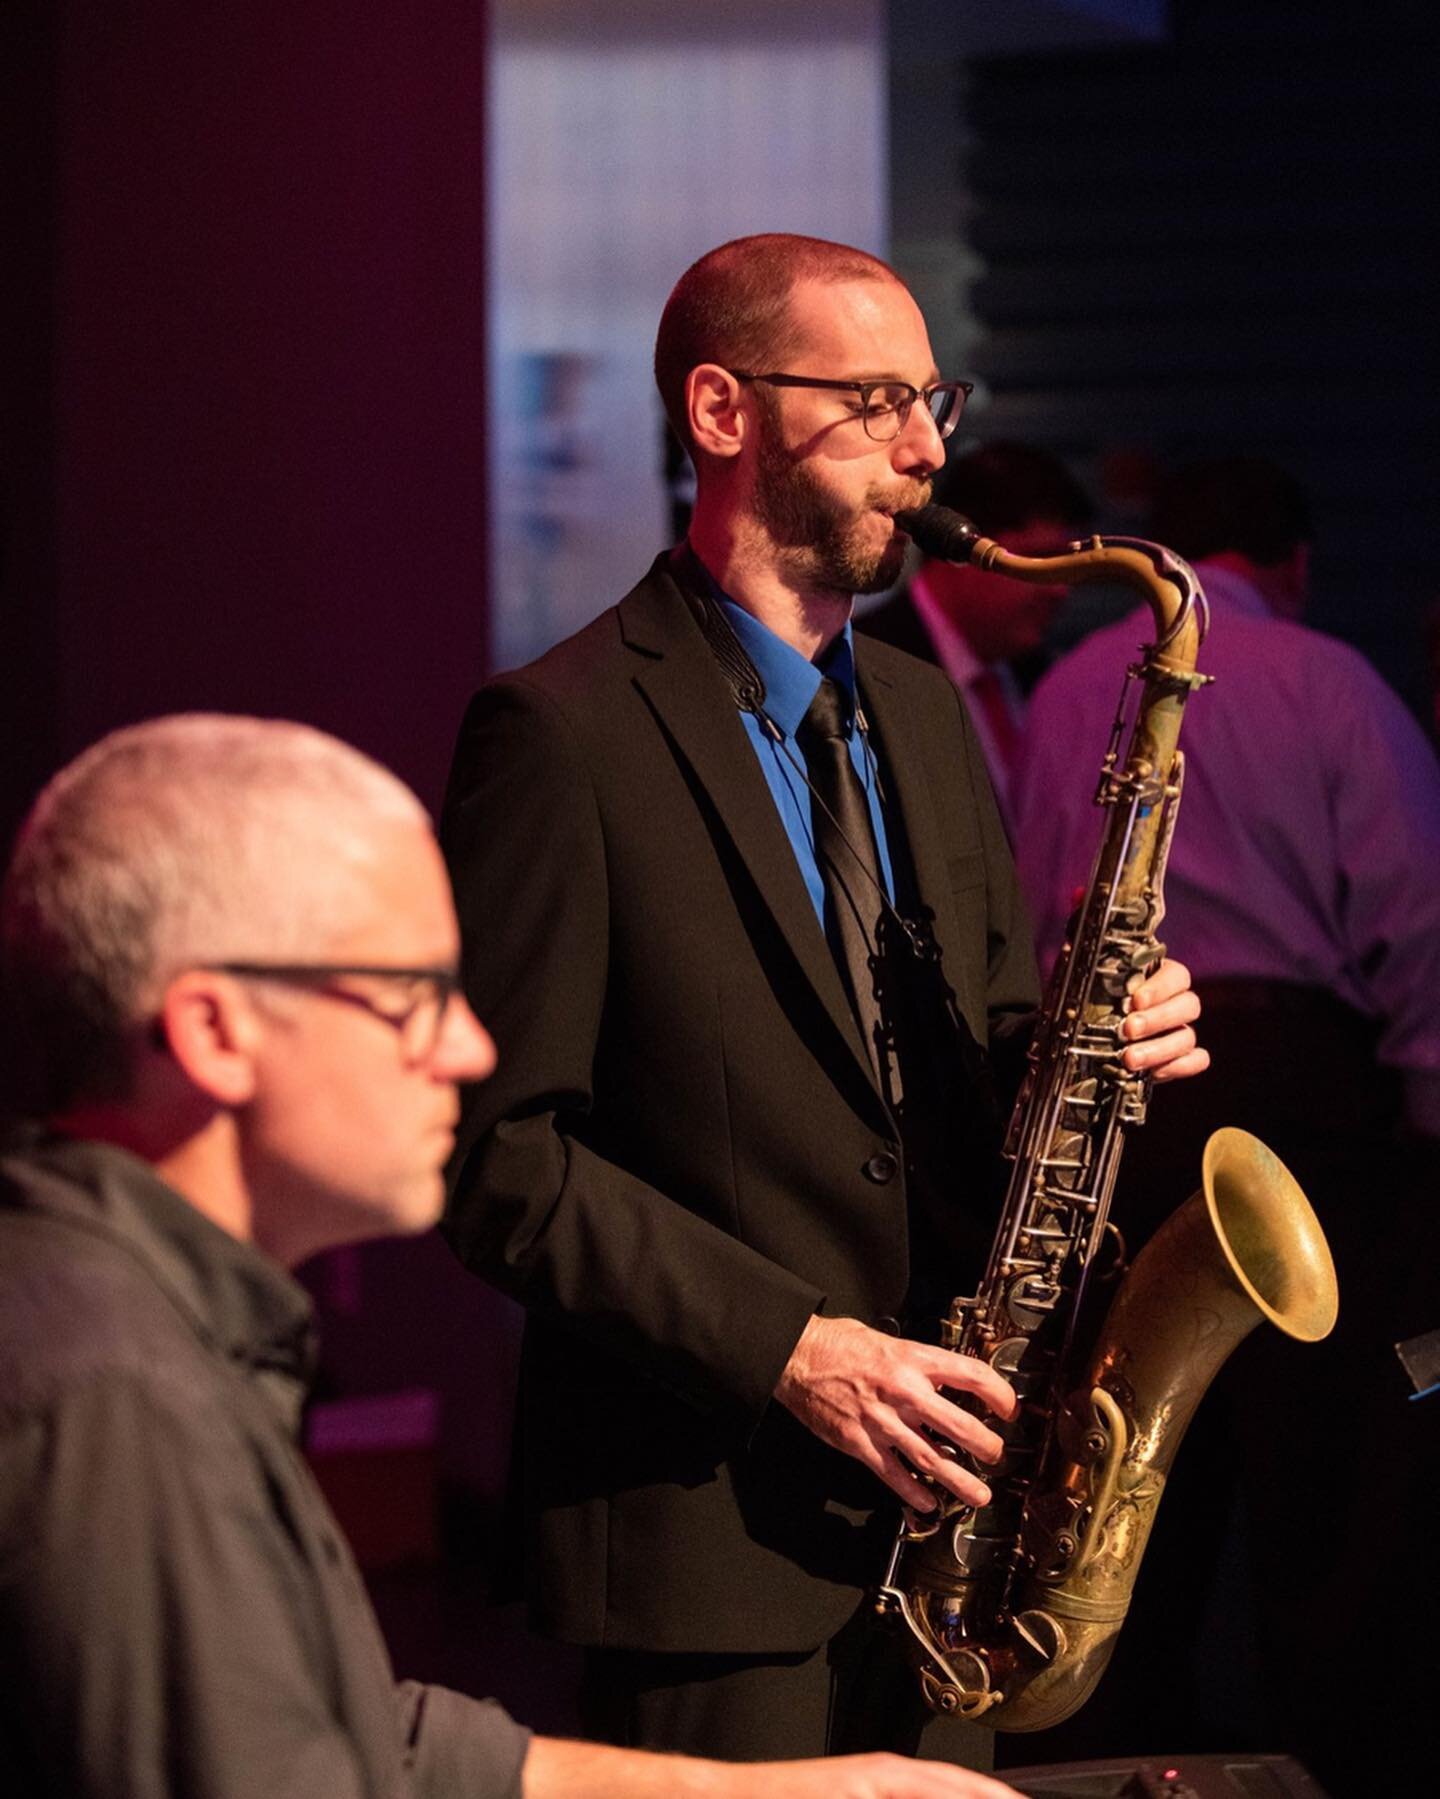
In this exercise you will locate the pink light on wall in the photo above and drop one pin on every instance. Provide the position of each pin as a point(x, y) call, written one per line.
point(269, 367)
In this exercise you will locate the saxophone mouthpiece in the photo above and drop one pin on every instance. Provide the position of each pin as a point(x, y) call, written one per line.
point(946, 535)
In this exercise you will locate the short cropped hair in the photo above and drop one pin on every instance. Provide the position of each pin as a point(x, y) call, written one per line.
point(732, 308)
point(1005, 486)
point(190, 839)
point(1244, 503)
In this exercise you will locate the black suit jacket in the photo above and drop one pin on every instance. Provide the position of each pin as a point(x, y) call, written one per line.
point(683, 1154)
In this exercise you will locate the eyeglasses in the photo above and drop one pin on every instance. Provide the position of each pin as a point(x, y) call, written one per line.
point(425, 995)
point(885, 406)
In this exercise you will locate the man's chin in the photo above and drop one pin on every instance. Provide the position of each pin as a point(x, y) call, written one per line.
point(415, 1206)
point(849, 561)
point(885, 571)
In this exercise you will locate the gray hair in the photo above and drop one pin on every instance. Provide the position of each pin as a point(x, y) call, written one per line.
point(190, 839)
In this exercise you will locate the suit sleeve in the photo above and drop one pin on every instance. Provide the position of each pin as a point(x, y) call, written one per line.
point(537, 1206)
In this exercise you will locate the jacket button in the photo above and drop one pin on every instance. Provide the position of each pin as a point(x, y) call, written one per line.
point(881, 1169)
point(890, 1326)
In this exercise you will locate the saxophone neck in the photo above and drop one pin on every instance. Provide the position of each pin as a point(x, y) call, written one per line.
point(1167, 583)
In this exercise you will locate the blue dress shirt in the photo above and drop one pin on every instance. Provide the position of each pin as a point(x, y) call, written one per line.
point(791, 683)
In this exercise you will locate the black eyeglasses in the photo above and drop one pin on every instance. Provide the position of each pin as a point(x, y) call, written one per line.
point(425, 994)
point(885, 406)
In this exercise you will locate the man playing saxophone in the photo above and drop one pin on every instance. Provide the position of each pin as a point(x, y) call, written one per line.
point(746, 929)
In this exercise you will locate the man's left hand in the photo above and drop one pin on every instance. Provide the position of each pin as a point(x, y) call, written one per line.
point(1159, 1029)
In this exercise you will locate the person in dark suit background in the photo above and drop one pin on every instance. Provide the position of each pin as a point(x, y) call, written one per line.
point(976, 624)
point(740, 1148)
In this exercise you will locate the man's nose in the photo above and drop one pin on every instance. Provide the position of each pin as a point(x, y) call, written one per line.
point(919, 447)
point(466, 1050)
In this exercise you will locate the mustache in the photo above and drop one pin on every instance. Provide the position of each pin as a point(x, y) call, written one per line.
point(912, 494)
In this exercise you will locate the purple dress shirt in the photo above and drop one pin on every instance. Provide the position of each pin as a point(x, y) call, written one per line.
point(1308, 843)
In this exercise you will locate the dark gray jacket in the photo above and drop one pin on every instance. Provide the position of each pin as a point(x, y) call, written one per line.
point(179, 1616)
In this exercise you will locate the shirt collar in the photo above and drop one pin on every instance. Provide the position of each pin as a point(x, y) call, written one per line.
point(791, 680)
point(241, 1304)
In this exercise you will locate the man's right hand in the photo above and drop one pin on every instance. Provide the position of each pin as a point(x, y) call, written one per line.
point(560, 1770)
point(876, 1396)
point(862, 1777)
point(867, 1777)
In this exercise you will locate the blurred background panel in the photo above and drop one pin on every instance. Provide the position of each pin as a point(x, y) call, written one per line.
point(628, 139)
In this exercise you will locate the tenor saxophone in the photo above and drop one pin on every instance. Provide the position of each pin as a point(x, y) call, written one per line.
point(1012, 1609)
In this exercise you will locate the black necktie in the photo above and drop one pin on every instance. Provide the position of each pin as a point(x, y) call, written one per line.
point(845, 850)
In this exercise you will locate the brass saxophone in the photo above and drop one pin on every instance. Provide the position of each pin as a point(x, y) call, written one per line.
point(1012, 1610)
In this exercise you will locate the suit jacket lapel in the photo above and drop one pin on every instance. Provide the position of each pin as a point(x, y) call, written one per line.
point(678, 675)
point(910, 793)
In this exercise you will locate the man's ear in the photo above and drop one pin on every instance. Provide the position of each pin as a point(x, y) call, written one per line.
point(210, 1028)
point(718, 422)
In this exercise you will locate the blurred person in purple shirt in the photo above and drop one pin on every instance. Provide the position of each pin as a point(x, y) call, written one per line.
point(1306, 861)
point(1303, 889)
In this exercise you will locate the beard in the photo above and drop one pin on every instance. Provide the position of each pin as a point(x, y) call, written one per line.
point(822, 540)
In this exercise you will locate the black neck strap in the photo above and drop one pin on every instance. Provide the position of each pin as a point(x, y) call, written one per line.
point(741, 675)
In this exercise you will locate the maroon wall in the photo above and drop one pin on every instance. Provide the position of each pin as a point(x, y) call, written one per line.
point(245, 440)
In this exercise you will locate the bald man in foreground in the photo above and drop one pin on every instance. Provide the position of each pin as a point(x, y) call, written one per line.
point(229, 960)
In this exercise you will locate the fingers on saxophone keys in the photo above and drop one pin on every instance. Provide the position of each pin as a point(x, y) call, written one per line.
point(917, 1456)
point(1167, 1015)
point(1156, 1055)
point(1196, 1061)
point(965, 1430)
point(1169, 981)
point(968, 1374)
point(898, 1475)
point(878, 1451)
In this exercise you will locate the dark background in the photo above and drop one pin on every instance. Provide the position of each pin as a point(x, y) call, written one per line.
point(1218, 243)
